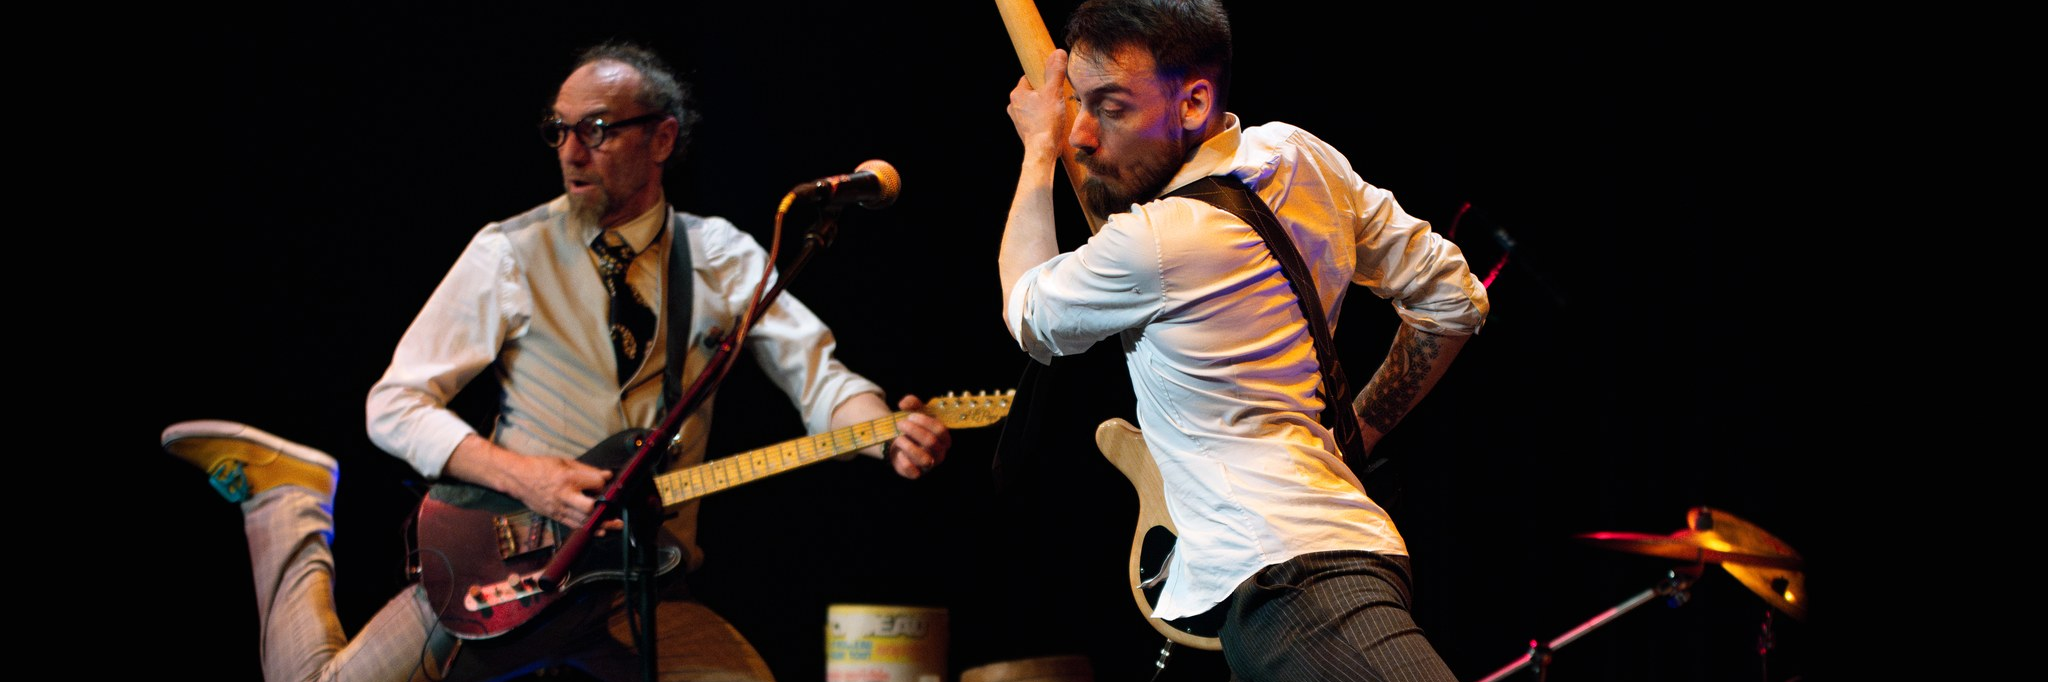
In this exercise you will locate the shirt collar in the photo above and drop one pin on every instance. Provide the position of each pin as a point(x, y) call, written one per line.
point(640, 232)
point(1216, 155)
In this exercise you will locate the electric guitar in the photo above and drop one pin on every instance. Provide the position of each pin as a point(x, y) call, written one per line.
point(482, 552)
point(1152, 543)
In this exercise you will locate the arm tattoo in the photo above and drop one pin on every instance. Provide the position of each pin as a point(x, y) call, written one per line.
point(1399, 383)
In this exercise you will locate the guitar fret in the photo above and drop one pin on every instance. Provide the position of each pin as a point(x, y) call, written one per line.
point(698, 483)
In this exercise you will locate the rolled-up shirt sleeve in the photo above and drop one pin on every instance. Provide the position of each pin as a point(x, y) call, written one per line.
point(1069, 302)
point(1425, 275)
point(477, 307)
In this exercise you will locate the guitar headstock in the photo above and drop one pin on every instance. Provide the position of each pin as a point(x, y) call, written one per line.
point(969, 410)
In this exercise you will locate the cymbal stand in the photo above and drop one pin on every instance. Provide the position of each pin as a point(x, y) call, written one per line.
point(1673, 587)
point(1765, 641)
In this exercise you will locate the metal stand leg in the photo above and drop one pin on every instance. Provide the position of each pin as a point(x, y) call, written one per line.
point(1764, 641)
point(1674, 586)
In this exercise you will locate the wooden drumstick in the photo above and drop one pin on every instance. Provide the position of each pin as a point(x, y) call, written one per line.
point(1033, 42)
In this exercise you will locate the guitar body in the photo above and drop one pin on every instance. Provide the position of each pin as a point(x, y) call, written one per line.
point(481, 551)
point(1124, 446)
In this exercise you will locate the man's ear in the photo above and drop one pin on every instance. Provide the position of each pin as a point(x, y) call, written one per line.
point(665, 139)
point(1197, 98)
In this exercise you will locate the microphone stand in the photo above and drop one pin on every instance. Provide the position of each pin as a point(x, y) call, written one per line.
point(638, 557)
point(1674, 585)
point(635, 477)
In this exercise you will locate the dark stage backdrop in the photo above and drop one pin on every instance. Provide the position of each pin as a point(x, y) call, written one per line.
point(333, 159)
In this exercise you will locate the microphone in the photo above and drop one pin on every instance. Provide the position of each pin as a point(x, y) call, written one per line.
point(873, 184)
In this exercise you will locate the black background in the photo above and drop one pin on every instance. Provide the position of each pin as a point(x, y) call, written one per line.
point(1648, 349)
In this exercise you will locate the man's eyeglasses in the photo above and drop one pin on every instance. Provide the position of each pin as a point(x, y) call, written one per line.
point(591, 130)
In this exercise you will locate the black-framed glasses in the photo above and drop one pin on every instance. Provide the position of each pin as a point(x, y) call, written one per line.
point(591, 130)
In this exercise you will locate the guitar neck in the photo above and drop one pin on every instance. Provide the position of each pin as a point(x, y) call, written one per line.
point(710, 477)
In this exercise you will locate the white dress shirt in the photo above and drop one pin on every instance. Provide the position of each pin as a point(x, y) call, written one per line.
point(526, 295)
point(1221, 360)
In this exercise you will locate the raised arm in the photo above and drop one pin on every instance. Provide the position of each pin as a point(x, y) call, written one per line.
point(1040, 115)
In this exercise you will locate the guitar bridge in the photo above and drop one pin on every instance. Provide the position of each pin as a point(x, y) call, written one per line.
point(513, 588)
point(521, 533)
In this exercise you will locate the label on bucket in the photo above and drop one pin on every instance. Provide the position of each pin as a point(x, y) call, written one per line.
point(876, 643)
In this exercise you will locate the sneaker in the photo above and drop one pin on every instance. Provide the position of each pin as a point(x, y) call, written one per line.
point(242, 460)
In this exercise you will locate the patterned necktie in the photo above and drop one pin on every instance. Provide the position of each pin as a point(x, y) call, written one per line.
point(632, 322)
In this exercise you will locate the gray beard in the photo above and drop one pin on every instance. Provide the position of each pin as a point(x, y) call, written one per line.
point(589, 210)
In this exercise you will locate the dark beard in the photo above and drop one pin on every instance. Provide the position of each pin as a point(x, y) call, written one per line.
point(1148, 178)
point(1103, 202)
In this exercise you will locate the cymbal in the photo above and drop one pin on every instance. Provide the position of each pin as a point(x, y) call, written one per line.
point(1684, 545)
point(1783, 586)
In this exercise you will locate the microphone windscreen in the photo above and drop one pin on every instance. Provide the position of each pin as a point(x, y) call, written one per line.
point(886, 175)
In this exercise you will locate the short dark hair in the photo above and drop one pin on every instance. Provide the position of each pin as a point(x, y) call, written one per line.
point(660, 89)
point(1185, 37)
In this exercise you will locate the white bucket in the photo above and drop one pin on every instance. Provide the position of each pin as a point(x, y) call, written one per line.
point(883, 643)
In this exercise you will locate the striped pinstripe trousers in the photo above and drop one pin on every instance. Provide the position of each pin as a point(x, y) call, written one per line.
point(1328, 616)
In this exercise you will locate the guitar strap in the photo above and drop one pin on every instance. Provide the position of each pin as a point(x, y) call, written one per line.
point(1230, 194)
point(676, 305)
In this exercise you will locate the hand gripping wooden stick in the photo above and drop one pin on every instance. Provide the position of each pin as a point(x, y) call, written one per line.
point(1033, 42)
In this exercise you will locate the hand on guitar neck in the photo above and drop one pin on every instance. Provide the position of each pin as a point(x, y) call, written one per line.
point(921, 442)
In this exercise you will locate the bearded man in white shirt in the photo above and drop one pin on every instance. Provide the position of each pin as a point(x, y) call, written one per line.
point(1276, 531)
